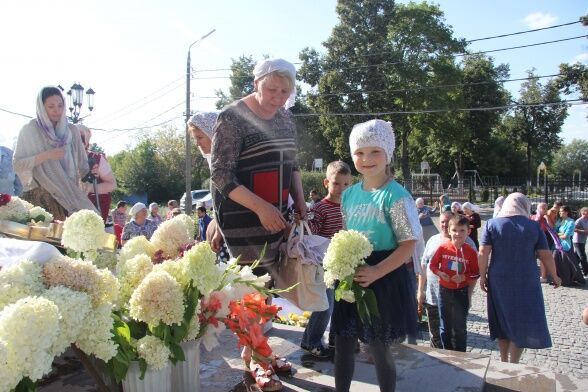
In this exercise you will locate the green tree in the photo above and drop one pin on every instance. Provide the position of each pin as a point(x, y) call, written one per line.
point(377, 49)
point(573, 156)
point(574, 79)
point(456, 141)
point(241, 81)
point(538, 127)
point(156, 166)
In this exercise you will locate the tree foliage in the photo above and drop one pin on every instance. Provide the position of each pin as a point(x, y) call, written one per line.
point(156, 166)
point(573, 156)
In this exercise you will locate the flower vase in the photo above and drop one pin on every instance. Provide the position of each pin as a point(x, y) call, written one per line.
point(186, 374)
point(154, 380)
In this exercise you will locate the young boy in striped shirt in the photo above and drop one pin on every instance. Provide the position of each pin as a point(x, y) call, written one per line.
point(325, 219)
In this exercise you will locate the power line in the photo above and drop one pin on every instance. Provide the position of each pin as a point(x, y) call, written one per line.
point(523, 32)
point(15, 113)
point(468, 41)
point(428, 111)
point(416, 88)
point(112, 116)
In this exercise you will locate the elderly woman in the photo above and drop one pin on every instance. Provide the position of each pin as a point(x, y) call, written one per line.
point(516, 312)
point(456, 208)
point(201, 126)
point(154, 214)
point(105, 181)
point(50, 158)
point(254, 170)
point(139, 224)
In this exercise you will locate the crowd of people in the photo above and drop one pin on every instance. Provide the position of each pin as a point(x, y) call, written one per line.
point(257, 193)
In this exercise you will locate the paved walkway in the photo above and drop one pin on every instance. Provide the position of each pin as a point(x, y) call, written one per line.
point(563, 307)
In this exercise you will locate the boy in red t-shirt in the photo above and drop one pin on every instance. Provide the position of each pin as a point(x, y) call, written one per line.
point(456, 264)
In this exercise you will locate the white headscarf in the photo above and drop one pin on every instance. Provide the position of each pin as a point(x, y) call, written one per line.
point(456, 205)
point(515, 204)
point(138, 207)
point(266, 67)
point(373, 133)
point(497, 206)
point(470, 206)
point(205, 121)
point(152, 206)
point(58, 136)
point(419, 201)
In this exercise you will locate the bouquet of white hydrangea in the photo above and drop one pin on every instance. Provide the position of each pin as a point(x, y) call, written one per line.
point(83, 231)
point(347, 251)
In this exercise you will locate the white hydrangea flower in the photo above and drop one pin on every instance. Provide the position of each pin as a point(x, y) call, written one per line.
point(175, 269)
point(159, 297)
point(154, 352)
point(173, 234)
point(20, 280)
point(348, 296)
point(199, 266)
point(9, 374)
point(73, 308)
point(15, 210)
point(29, 327)
point(83, 231)
point(82, 275)
point(137, 246)
point(95, 335)
point(39, 214)
point(131, 273)
point(347, 251)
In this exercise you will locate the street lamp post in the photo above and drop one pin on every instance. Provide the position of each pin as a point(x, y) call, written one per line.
point(75, 98)
point(188, 202)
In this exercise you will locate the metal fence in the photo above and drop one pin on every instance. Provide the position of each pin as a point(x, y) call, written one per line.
point(569, 191)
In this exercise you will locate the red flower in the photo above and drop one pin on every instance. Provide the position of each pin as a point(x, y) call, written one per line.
point(4, 199)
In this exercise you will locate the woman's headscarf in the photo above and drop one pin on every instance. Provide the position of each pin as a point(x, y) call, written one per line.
point(497, 206)
point(153, 206)
point(266, 67)
point(204, 121)
point(138, 207)
point(515, 204)
point(470, 206)
point(419, 202)
point(456, 205)
point(58, 136)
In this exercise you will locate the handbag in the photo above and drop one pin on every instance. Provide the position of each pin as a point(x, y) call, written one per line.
point(299, 265)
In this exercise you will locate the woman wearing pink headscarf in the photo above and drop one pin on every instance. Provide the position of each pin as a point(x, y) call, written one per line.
point(510, 246)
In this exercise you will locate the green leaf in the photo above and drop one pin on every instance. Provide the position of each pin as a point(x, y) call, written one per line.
point(177, 353)
point(142, 368)
point(124, 332)
point(371, 302)
point(179, 332)
point(26, 385)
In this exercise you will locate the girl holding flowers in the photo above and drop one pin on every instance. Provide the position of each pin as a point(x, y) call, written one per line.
point(381, 209)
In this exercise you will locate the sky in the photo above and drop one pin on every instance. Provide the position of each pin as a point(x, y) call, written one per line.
point(133, 53)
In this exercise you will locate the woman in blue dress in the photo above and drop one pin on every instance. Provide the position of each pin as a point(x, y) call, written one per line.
point(516, 312)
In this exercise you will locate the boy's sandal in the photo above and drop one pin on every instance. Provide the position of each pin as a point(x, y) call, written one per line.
point(266, 380)
point(281, 365)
